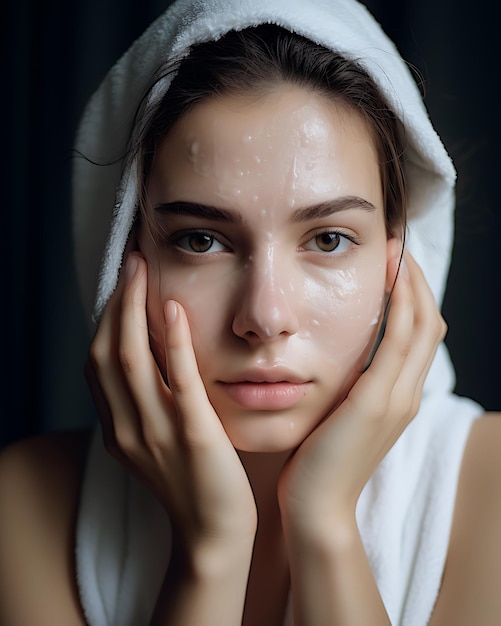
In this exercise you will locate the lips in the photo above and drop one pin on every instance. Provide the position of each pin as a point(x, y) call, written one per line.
point(272, 375)
point(266, 390)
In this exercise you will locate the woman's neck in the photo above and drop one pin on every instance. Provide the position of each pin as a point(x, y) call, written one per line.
point(263, 470)
point(268, 585)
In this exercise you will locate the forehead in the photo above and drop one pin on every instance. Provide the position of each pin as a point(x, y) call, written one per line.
point(291, 145)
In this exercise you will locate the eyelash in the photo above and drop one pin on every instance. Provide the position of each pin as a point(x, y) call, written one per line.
point(173, 241)
point(351, 238)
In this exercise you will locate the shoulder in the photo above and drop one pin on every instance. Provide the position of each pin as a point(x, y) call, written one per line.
point(39, 491)
point(470, 588)
point(45, 469)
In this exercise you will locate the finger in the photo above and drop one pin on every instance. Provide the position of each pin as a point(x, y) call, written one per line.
point(100, 401)
point(429, 330)
point(108, 384)
point(147, 388)
point(374, 388)
point(429, 326)
point(198, 416)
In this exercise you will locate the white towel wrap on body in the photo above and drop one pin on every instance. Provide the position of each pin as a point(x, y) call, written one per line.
point(406, 509)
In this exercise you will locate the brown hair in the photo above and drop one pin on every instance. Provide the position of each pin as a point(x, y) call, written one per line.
point(254, 60)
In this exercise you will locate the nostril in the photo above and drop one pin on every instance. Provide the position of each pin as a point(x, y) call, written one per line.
point(250, 334)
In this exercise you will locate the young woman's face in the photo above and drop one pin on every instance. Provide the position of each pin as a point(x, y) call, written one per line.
point(268, 227)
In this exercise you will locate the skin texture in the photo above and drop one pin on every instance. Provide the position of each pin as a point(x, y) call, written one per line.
point(251, 525)
point(39, 488)
point(265, 295)
point(162, 411)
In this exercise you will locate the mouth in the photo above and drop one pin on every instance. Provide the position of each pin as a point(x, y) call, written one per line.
point(271, 375)
point(271, 390)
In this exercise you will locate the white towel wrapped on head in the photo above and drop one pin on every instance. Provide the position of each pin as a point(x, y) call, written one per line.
point(406, 509)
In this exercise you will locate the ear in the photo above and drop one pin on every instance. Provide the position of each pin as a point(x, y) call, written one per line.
point(393, 255)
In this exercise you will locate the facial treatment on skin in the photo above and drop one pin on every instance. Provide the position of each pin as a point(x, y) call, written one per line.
point(278, 443)
point(282, 233)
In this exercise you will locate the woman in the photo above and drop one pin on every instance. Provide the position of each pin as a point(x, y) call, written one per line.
point(283, 472)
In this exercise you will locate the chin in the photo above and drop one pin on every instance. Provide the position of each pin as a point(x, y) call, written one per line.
point(268, 434)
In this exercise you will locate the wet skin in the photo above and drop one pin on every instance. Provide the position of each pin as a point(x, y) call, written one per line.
point(266, 223)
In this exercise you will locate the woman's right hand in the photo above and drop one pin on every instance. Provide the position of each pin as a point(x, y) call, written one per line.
point(168, 435)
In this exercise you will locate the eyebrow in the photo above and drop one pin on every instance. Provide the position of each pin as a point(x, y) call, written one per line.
point(316, 211)
point(324, 209)
point(199, 210)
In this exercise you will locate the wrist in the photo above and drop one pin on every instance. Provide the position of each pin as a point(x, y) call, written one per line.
point(322, 531)
point(215, 558)
point(203, 581)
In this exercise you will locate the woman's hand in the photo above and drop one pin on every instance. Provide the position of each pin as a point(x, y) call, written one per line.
point(168, 435)
point(320, 485)
point(324, 478)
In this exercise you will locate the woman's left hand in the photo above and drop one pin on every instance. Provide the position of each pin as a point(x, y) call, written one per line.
point(322, 481)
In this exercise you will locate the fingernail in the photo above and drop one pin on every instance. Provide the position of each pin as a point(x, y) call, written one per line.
point(130, 266)
point(170, 312)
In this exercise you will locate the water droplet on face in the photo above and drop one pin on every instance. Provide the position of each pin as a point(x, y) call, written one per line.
point(304, 334)
point(247, 138)
point(255, 198)
point(262, 212)
point(375, 319)
point(196, 158)
point(304, 140)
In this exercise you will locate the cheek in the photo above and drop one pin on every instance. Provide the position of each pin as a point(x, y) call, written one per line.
point(342, 314)
point(202, 297)
point(338, 312)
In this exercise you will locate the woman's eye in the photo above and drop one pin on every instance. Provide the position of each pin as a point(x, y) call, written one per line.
point(198, 242)
point(328, 242)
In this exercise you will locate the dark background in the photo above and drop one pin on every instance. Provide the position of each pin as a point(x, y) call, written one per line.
point(54, 54)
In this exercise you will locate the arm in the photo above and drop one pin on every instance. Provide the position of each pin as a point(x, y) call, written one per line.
point(470, 592)
point(331, 579)
point(171, 438)
point(320, 486)
point(205, 588)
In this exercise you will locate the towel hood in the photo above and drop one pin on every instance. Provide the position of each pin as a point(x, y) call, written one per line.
point(105, 196)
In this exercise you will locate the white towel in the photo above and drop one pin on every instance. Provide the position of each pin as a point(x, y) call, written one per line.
point(406, 509)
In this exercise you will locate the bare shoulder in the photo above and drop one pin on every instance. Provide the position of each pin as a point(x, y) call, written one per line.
point(470, 591)
point(39, 491)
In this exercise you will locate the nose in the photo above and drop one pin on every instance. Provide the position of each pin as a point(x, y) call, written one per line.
point(267, 301)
